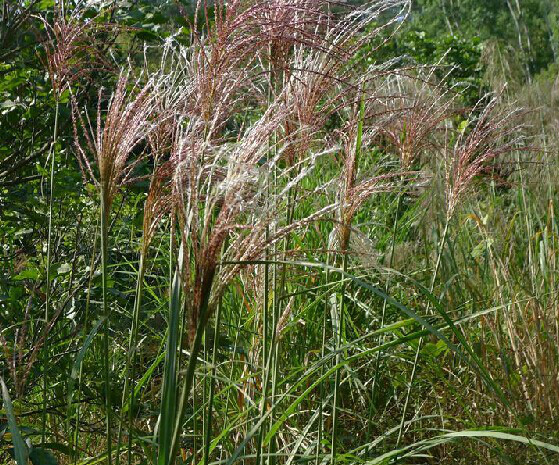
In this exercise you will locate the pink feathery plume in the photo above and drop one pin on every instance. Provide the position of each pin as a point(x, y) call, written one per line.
point(72, 48)
point(104, 152)
point(412, 111)
point(490, 132)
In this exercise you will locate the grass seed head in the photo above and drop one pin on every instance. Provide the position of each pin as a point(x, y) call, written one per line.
point(104, 152)
point(489, 132)
point(73, 48)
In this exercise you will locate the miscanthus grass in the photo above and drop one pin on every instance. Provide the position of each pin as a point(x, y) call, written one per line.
point(302, 268)
point(104, 158)
point(71, 55)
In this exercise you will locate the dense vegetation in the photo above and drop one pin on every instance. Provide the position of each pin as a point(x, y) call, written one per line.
point(279, 232)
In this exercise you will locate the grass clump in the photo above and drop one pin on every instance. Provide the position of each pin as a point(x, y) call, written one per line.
point(285, 253)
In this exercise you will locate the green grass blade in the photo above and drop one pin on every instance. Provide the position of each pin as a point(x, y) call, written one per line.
point(414, 449)
point(79, 359)
point(20, 448)
point(169, 397)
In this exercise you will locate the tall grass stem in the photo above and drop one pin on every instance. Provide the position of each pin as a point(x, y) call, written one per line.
point(46, 360)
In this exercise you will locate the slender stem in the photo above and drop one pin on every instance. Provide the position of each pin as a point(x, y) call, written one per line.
point(106, 325)
point(339, 339)
point(208, 418)
point(265, 318)
point(279, 291)
point(128, 391)
point(49, 258)
point(420, 342)
point(322, 354)
point(84, 335)
point(212, 387)
point(267, 372)
point(237, 330)
point(279, 288)
point(132, 398)
point(204, 383)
